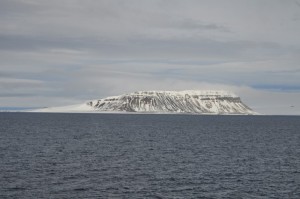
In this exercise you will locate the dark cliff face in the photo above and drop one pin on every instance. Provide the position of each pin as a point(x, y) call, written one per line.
point(196, 102)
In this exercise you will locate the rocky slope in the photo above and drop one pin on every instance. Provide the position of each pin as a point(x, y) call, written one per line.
point(193, 102)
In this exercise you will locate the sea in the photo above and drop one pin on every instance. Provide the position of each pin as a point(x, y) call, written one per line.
point(81, 155)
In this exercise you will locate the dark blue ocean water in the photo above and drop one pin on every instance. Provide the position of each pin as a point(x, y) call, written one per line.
point(148, 156)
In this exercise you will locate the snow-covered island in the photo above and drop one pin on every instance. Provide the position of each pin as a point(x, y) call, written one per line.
point(189, 101)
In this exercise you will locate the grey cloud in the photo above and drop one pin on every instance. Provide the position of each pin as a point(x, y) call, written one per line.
point(80, 50)
point(34, 43)
point(189, 24)
point(16, 8)
point(295, 71)
point(14, 94)
point(147, 48)
point(10, 83)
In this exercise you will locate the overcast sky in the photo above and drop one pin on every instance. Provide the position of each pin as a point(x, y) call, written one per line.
point(62, 52)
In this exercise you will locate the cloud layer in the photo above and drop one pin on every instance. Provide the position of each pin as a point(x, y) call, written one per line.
point(60, 52)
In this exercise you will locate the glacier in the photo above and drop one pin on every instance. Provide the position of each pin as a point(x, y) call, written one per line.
point(185, 102)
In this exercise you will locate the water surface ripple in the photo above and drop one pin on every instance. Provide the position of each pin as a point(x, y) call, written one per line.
point(148, 156)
